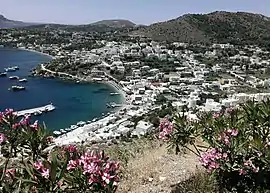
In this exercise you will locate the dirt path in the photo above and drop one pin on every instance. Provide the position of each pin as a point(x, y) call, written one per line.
point(156, 171)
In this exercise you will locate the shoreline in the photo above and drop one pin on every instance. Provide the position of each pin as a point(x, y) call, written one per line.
point(82, 133)
point(35, 51)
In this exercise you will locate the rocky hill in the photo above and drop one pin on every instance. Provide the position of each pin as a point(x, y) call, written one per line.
point(220, 26)
point(6, 23)
point(116, 23)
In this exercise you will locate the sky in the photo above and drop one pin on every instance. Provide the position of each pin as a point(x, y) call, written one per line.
point(138, 11)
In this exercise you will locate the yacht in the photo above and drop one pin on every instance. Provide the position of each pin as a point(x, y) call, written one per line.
point(10, 69)
point(17, 88)
point(3, 74)
point(23, 80)
point(13, 77)
point(114, 93)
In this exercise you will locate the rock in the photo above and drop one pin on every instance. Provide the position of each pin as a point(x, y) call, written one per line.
point(150, 179)
point(162, 178)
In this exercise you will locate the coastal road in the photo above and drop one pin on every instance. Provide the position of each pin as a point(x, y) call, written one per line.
point(61, 73)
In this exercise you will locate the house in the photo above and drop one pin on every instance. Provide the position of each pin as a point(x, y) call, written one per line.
point(142, 128)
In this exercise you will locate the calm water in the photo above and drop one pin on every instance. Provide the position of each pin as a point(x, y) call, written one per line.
point(74, 102)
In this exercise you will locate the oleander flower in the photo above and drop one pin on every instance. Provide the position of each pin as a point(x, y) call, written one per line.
point(34, 126)
point(45, 173)
point(72, 164)
point(38, 165)
point(166, 128)
point(10, 173)
point(2, 138)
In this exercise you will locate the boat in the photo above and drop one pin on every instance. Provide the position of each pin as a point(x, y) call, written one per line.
point(23, 80)
point(38, 113)
point(114, 93)
point(17, 88)
point(62, 131)
point(16, 67)
point(57, 132)
point(3, 74)
point(13, 77)
point(10, 69)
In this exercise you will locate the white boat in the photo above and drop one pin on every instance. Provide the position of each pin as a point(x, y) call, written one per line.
point(81, 123)
point(57, 132)
point(17, 88)
point(62, 131)
point(3, 74)
point(10, 69)
point(114, 93)
point(23, 80)
point(14, 77)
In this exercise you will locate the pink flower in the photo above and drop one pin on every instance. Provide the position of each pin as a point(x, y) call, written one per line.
point(248, 163)
point(25, 120)
point(225, 155)
point(34, 126)
point(15, 126)
point(2, 138)
point(166, 128)
point(255, 170)
point(8, 112)
point(267, 144)
point(229, 110)
point(242, 172)
point(38, 165)
point(45, 173)
point(107, 177)
point(72, 164)
point(232, 132)
point(72, 148)
point(216, 115)
point(10, 172)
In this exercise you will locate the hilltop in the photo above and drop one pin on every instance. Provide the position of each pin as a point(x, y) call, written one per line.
point(219, 26)
point(117, 23)
point(7, 23)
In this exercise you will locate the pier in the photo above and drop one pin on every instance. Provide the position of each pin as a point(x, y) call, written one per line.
point(46, 108)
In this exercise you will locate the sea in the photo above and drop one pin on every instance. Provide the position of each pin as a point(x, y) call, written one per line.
point(73, 102)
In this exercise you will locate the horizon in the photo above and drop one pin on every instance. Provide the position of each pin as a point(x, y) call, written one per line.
point(82, 12)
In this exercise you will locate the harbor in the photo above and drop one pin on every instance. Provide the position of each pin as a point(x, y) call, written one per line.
point(36, 111)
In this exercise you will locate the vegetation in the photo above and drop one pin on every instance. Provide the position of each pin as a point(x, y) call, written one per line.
point(235, 145)
point(222, 27)
point(27, 165)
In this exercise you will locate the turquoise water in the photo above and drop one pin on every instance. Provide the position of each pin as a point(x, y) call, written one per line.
point(74, 102)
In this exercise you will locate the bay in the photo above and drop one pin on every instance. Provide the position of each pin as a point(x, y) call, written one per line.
point(74, 102)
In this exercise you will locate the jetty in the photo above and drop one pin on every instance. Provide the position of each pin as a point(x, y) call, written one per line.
point(46, 108)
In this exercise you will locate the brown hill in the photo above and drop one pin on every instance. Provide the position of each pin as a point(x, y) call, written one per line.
point(117, 23)
point(220, 26)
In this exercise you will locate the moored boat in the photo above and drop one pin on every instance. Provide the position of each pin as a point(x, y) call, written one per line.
point(23, 80)
point(3, 74)
point(114, 93)
point(13, 77)
point(10, 69)
point(17, 88)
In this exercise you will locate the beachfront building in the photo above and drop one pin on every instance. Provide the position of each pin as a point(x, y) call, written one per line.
point(142, 128)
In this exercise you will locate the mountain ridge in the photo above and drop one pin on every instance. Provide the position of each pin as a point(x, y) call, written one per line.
point(218, 26)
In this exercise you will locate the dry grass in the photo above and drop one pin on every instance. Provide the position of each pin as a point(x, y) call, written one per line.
point(156, 171)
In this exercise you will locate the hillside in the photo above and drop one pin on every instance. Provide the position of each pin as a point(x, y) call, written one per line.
point(220, 26)
point(117, 23)
point(6, 23)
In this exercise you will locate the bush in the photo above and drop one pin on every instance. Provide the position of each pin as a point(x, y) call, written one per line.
point(237, 150)
point(29, 164)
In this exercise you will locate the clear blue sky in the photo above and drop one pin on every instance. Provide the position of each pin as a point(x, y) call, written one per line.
point(138, 11)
